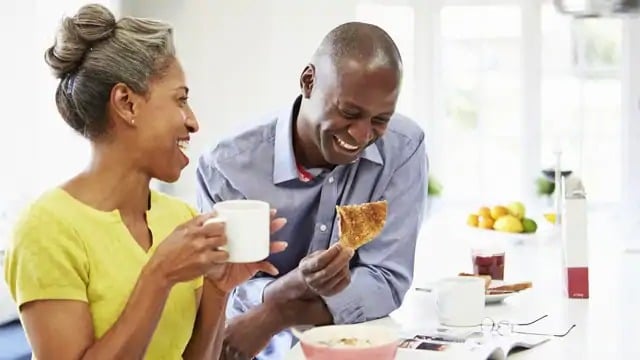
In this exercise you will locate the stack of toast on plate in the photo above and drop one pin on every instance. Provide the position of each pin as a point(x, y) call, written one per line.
point(501, 289)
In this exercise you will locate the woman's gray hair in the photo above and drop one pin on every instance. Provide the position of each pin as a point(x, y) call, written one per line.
point(93, 52)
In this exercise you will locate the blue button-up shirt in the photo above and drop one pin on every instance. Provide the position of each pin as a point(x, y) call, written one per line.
point(260, 164)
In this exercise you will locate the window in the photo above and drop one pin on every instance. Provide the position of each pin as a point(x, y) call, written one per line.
point(479, 79)
point(481, 92)
point(581, 99)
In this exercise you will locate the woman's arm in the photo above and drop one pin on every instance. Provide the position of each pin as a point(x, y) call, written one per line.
point(63, 329)
point(59, 323)
point(208, 331)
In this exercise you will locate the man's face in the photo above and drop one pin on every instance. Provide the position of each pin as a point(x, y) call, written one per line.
point(348, 107)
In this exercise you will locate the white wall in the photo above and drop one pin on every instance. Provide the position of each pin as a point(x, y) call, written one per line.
point(38, 149)
point(242, 57)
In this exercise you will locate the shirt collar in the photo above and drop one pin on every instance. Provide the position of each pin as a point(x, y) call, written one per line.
point(284, 161)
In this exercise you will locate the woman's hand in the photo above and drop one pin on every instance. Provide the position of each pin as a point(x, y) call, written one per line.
point(191, 250)
point(234, 274)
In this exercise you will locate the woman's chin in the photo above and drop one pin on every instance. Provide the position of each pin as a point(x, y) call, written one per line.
point(169, 177)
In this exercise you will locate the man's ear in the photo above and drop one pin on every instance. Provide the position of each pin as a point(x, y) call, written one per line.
point(307, 79)
point(124, 103)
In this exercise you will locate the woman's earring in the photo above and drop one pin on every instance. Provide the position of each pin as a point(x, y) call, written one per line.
point(133, 121)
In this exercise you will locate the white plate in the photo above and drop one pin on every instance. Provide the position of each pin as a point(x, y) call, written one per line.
point(488, 298)
point(496, 298)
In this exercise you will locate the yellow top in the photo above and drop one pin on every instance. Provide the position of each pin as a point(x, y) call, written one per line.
point(64, 249)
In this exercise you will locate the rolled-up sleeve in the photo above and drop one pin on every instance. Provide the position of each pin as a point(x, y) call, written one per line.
point(384, 269)
point(213, 187)
point(247, 296)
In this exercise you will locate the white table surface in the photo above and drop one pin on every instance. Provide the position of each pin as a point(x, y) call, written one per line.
point(607, 324)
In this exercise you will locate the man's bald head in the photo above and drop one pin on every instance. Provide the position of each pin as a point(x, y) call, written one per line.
point(361, 42)
point(349, 94)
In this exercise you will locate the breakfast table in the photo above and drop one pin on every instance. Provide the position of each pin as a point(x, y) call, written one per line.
point(606, 324)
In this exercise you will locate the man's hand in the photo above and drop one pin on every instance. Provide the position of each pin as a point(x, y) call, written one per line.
point(327, 272)
point(248, 334)
point(322, 273)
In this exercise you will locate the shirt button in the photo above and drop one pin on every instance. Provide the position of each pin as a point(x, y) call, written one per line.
point(323, 227)
point(331, 180)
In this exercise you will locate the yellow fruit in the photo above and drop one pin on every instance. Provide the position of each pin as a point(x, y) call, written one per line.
point(472, 220)
point(484, 211)
point(499, 211)
point(517, 209)
point(485, 222)
point(508, 223)
point(551, 217)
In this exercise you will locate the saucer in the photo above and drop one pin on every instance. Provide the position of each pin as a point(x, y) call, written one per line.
point(496, 298)
point(488, 298)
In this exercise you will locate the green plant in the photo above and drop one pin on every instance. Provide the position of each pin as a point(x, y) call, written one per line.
point(544, 187)
point(434, 187)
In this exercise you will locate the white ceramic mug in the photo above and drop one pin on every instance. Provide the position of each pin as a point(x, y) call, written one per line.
point(460, 301)
point(247, 224)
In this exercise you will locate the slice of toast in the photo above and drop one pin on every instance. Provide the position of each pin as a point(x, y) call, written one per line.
point(361, 223)
point(513, 287)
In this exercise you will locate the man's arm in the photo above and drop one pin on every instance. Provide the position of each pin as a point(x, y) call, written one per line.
point(249, 333)
point(213, 187)
point(379, 281)
point(384, 269)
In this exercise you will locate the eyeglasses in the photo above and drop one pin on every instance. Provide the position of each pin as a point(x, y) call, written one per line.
point(506, 328)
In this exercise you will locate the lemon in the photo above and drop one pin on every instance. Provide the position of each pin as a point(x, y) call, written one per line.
point(529, 226)
point(472, 220)
point(508, 223)
point(498, 211)
point(485, 222)
point(484, 211)
point(551, 217)
point(517, 209)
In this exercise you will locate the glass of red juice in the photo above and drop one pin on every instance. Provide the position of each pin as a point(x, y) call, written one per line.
point(487, 262)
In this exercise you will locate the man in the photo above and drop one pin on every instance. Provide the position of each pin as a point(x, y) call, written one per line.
point(338, 143)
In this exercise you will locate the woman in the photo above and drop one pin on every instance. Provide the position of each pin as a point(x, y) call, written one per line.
point(102, 267)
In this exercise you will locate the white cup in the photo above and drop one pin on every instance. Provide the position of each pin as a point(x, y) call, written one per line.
point(247, 224)
point(460, 301)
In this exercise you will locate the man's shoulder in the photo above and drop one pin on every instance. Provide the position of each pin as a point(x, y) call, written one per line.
point(253, 139)
point(405, 129)
point(403, 137)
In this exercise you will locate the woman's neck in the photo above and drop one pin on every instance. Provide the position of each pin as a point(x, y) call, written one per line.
point(112, 182)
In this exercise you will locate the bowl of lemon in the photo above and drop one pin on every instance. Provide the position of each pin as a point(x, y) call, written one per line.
point(510, 219)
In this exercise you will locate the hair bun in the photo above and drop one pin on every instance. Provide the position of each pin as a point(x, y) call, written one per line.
point(77, 34)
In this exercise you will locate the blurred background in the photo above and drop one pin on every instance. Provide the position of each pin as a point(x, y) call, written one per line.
point(499, 86)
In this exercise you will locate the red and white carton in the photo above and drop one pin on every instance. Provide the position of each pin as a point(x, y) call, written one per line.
point(576, 244)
